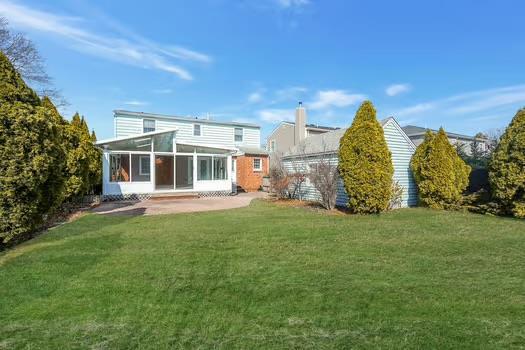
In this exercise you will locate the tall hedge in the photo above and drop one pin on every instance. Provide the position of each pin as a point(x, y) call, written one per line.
point(29, 154)
point(365, 163)
point(507, 168)
point(79, 147)
point(439, 172)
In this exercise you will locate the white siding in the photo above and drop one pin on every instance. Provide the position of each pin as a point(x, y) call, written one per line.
point(211, 134)
point(401, 150)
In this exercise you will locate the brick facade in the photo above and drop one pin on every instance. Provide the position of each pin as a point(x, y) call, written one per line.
point(247, 178)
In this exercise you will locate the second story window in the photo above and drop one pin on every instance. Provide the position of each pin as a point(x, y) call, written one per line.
point(272, 146)
point(196, 130)
point(238, 135)
point(148, 125)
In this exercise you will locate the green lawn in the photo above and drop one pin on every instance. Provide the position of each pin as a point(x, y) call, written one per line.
point(268, 277)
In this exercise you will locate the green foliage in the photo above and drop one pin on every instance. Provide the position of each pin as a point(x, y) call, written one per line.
point(365, 163)
point(507, 168)
point(440, 174)
point(79, 147)
point(30, 152)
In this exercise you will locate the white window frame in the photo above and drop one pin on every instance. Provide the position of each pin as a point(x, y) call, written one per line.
point(272, 145)
point(154, 123)
point(242, 134)
point(260, 164)
point(200, 130)
point(141, 158)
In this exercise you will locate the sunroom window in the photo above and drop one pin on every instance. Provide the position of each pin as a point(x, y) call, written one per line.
point(119, 167)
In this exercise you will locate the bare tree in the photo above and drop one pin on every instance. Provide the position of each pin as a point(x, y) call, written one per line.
point(298, 173)
point(279, 177)
point(324, 177)
point(494, 136)
point(27, 61)
point(396, 199)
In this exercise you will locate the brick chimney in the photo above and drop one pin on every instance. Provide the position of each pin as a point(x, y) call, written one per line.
point(300, 124)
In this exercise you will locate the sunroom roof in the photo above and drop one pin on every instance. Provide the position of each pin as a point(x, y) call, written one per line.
point(133, 137)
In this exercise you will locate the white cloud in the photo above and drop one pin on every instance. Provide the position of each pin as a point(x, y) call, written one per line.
point(136, 103)
point(120, 46)
point(335, 98)
point(276, 115)
point(396, 89)
point(472, 105)
point(255, 97)
point(292, 3)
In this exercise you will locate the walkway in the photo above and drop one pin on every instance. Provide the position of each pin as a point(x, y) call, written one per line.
point(173, 206)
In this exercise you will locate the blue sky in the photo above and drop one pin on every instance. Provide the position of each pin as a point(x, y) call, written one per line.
point(457, 64)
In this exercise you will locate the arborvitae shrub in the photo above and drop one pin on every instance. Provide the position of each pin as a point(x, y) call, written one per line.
point(365, 163)
point(439, 172)
point(507, 168)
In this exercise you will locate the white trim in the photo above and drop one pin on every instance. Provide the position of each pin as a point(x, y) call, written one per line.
point(260, 163)
point(141, 157)
point(400, 129)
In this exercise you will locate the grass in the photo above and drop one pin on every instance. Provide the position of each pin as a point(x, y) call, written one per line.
point(268, 277)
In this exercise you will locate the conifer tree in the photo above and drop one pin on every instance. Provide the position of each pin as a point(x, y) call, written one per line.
point(365, 163)
point(28, 137)
point(507, 168)
point(78, 158)
point(439, 172)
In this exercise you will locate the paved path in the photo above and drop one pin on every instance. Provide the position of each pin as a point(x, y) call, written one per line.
point(173, 206)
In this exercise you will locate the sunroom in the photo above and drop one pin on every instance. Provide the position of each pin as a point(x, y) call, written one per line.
point(156, 162)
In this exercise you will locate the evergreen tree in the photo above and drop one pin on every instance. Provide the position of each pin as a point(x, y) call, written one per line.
point(78, 158)
point(440, 174)
point(365, 163)
point(95, 165)
point(507, 168)
point(28, 152)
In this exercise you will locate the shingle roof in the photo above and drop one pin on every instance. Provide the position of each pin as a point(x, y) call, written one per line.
point(315, 126)
point(253, 150)
point(412, 130)
point(322, 143)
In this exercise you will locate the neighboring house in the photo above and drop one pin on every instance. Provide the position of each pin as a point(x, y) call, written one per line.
point(288, 134)
point(417, 135)
point(326, 146)
point(154, 153)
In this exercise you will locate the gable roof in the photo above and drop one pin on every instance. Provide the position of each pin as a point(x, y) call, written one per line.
point(413, 130)
point(187, 119)
point(329, 142)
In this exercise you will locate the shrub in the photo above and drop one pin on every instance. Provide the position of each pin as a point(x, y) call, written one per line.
point(507, 168)
point(324, 177)
point(365, 163)
point(30, 153)
point(440, 174)
point(396, 199)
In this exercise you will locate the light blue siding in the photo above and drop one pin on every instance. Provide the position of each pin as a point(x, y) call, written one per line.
point(399, 145)
point(211, 134)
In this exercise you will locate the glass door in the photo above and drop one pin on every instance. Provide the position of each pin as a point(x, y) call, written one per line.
point(183, 172)
point(164, 174)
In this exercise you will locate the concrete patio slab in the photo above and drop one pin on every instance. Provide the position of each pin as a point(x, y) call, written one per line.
point(155, 207)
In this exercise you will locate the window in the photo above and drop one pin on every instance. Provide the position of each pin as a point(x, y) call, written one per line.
point(119, 168)
point(140, 167)
point(219, 168)
point(196, 130)
point(163, 142)
point(238, 134)
point(144, 165)
point(148, 125)
point(272, 146)
point(204, 168)
point(257, 164)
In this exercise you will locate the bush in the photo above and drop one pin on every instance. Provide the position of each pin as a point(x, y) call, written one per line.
point(365, 163)
point(396, 199)
point(30, 154)
point(440, 174)
point(507, 168)
point(324, 177)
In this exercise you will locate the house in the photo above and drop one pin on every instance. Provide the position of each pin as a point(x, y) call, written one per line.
point(417, 135)
point(155, 153)
point(326, 146)
point(288, 134)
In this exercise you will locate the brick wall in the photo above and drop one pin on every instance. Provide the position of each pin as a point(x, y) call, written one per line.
point(247, 178)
